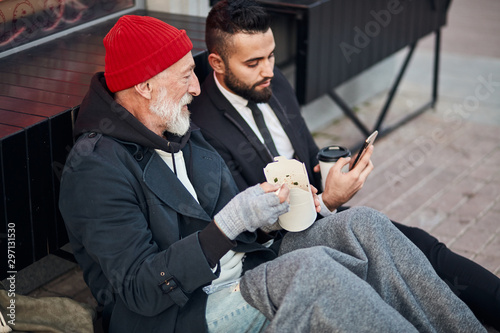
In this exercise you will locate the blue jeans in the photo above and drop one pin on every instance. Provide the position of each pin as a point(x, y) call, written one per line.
point(227, 311)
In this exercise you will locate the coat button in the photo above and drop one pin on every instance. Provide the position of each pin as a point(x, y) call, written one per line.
point(92, 134)
point(139, 156)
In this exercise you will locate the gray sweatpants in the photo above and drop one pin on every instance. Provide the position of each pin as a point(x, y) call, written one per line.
point(354, 272)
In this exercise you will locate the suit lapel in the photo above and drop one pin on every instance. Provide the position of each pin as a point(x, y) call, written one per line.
point(236, 119)
point(160, 180)
point(288, 128)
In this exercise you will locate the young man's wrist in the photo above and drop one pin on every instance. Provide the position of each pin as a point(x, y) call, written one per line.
point(325, 211)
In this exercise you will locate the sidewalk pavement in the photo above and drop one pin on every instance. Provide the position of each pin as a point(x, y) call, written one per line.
point(439, 172)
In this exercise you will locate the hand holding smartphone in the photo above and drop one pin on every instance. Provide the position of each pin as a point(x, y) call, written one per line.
point(369, 141)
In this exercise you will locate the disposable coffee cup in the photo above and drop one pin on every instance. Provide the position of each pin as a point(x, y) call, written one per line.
point(328, 156)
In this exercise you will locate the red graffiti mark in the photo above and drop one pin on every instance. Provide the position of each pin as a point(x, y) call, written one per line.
point(11, 38)
point(30, 19)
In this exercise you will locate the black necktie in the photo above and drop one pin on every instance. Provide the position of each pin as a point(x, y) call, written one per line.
point(264, 131)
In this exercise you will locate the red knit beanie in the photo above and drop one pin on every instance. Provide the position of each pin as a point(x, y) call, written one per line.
point(139, 47)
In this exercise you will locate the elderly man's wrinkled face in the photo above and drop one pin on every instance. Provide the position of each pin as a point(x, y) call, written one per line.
point(177, 86)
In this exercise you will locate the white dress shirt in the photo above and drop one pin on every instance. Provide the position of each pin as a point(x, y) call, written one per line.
point(281, 140)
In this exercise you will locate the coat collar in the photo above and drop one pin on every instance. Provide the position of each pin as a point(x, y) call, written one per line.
point(167, 187)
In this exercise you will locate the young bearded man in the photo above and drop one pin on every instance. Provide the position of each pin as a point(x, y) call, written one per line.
point(241, 52)
point(167, 245)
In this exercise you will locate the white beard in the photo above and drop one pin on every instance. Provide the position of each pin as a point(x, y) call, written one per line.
point(175, 120)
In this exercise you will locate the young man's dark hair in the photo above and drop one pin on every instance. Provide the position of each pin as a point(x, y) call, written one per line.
point(231, 17)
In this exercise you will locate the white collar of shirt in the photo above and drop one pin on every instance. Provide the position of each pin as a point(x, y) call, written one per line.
point(281, 140)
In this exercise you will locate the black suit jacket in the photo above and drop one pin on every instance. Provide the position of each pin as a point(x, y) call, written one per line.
point(245, 155)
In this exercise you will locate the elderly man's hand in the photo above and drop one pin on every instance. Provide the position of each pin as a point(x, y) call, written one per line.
point(257, 206)
point(341, 187)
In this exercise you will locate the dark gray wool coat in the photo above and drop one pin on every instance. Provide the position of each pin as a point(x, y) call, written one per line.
point(134, 228)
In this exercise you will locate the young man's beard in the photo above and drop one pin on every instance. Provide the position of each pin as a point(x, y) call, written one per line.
point(245, 91)
point(171, 114)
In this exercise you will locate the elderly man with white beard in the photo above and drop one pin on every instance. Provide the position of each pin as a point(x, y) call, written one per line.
point(163, 237)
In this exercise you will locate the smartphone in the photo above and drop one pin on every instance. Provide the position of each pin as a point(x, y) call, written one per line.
point(369, 141)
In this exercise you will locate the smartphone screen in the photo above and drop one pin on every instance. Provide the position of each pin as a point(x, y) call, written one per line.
point(369, 141)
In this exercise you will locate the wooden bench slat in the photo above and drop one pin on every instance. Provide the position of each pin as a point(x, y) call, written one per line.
point(23, 93)
point(30, 107)
point(19, 119)
point(55, 52)
point(48, 73)
point(47, 84)
point(61, 64)
point(7, 130)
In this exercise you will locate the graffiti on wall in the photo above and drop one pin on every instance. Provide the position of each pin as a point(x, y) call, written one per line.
point(22, 21)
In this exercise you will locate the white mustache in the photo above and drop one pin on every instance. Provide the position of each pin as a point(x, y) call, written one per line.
point(186, 99)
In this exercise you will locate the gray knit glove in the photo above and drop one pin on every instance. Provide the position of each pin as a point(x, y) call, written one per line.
point(249, 210)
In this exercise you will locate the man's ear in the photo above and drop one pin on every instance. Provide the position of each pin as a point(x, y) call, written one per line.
point(217, 63)
point(144, 89)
